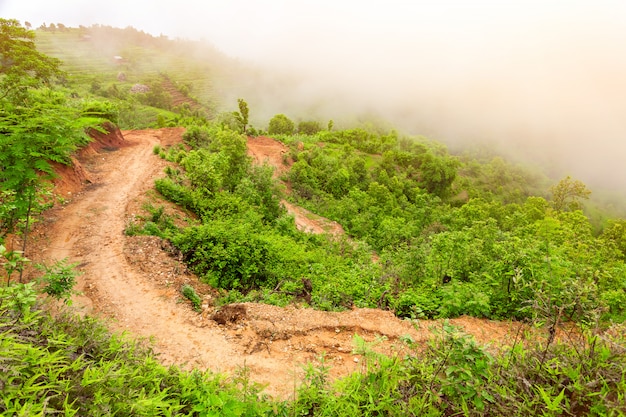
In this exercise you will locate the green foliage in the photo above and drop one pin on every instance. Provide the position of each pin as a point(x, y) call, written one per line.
point(205, 170)
point(156, 94)
point(566, 195)
point(313, 391)
point(481, 257)
point(73, 366)
point(242, 116)
point(464, 369)
point(280, 125)
point(190, 293)
point(260, 190)
point(456, 376)
point(59, 279)
point(415, 303)
point(494, 178)
point(309, 127)
point(438, 173)
point(12, 261)
point(100, 109)
point(464, 298)
point(38, 127)
point(155, 223)
point(18, 300)
point(573, 378)
point(22, 67)
point(229, 254)
point(198, 136)
point(615, 233)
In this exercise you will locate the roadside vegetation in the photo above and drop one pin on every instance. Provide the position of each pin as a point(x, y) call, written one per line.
point(429, 234)
point(424, 238)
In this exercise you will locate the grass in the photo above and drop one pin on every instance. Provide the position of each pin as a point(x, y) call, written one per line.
point(70, 365)
point(74, 366)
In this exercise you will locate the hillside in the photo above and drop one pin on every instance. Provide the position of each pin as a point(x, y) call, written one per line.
point(89, 53)
point(134, 282)
point(320, 269)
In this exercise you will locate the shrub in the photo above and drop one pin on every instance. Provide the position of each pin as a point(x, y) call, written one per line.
point(100, 109)
point(414, 303)
point(197, 136)
point(229, 254)
point(458, 298)
point(309, 127)
point(59, 279)
point(280, 125)
point(190, 293)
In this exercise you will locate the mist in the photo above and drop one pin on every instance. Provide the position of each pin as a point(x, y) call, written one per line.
point(549, 90)
point(540, 81)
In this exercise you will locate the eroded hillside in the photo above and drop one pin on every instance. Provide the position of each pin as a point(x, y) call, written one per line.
point(134, 282)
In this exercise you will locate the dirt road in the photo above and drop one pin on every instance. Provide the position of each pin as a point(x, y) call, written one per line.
point(135, 285)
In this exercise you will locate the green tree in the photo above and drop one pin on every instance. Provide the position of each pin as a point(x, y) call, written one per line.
point(261, 190)
point(204, 170)
point(48, 130)
point(21, 65)
point(37, 126)
point(234, 148)
point(309, 127)
point(615, 232)
point(242, 116)
point(568, 193)
point(438, 173)
point(281, 125)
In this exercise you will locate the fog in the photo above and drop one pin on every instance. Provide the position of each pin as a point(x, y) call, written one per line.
point(544, 81)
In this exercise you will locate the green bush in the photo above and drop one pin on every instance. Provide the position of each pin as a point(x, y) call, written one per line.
point(59, 279)
point(227, 254)
point(415, 303)
point(190, 293)
point(100, 109)
point(197, 136)
point(310, 127)
point(280, 125)
point(157, 223)
point(459, 298)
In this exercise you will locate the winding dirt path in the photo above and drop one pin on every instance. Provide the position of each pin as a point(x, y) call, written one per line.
point(267, 150)
point(134, 285)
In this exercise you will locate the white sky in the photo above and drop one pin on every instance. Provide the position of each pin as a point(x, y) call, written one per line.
point(249, 27)
point(546, 77)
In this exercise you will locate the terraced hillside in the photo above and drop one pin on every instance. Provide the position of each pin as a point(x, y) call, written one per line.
point(124, 57)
